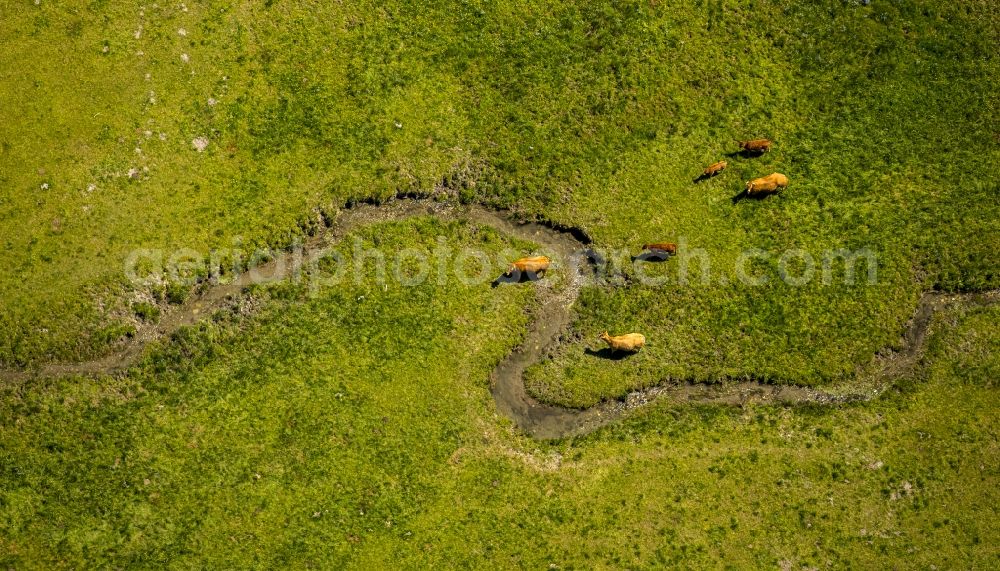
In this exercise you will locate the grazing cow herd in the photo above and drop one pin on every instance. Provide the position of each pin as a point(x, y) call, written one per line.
point(661, 248)
point(714, 169)
point(755, 145)
point(532, 265)
point(766, 184)
point(535, 266)
point(629, 343)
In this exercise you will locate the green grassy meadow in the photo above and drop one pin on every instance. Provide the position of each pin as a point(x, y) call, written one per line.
point(354, 427)
point(313, 435)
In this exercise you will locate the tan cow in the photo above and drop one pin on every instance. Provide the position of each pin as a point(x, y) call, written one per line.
point(665, 247)
point(531, 264)
point(767, 184)
point(756, 145)
point(630, 342)
point(714, 169)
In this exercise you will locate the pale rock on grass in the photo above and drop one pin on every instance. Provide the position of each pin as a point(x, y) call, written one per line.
point(199, 143)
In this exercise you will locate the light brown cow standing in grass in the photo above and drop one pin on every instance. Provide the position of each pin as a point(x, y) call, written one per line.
point(714, 169)
point(755, 145)
point(658, 247)
point(630, 342)
point(767, 184)
point(532, 265)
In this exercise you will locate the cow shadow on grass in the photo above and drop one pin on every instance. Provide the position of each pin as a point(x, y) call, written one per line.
point(516, 278)
point(654, 257)
point(607, 353)
point(742, 195)
point(745, 154)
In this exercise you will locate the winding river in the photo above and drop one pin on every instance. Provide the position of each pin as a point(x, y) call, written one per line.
point(574, 267)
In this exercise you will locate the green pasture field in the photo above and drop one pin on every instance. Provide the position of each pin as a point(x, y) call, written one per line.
point(316, 435)
point(355, 426)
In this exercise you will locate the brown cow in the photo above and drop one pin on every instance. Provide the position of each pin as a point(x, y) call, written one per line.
point(658, 247)
point(531, 264)
point(769, 184)
point(630, 342)
point(756, 145)
point(714, 169)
